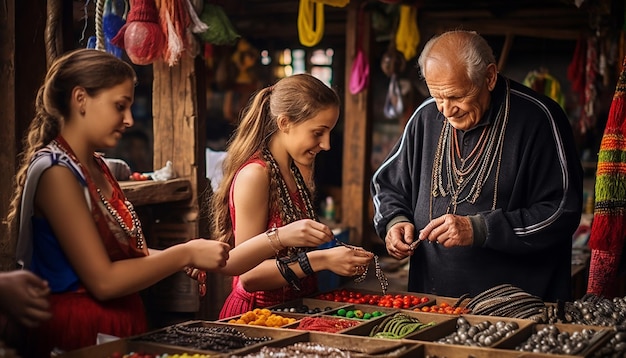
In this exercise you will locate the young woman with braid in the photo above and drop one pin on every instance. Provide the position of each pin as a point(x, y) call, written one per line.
point(284, 127)
point(78, 232)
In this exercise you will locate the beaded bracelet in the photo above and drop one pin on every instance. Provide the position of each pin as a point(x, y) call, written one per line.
point(283, 266)
point(305, 265)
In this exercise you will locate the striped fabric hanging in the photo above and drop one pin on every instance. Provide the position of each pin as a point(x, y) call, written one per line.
point(608, 230)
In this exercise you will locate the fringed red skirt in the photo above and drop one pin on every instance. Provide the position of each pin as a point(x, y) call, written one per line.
point(78, 318)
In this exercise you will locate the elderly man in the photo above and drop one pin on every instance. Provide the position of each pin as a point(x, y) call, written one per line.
point(485, 185)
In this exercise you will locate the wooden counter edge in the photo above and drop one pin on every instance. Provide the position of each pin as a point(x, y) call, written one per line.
point(156, 192)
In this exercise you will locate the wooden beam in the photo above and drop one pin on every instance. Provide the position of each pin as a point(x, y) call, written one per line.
point(8, 140)
point(175, 119)
point(357, 137)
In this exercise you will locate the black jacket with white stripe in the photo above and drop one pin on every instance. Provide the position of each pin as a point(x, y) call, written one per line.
point(526, 241)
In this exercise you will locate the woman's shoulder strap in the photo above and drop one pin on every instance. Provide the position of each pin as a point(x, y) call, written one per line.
point(42, 160)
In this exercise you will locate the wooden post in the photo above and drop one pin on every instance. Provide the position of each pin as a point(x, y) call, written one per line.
point(8, 151)
point(22, 73)
point(178, 138)
point(357, 141)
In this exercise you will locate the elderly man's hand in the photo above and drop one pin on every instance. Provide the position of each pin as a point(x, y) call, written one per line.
point(399, 239)
point(449, 230)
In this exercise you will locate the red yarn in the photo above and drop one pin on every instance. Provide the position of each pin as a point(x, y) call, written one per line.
point(141, 36)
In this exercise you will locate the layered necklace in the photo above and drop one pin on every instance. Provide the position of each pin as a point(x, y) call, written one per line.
point(462, 178)
point(135, 229)
point(290, 212)
point(132, 231)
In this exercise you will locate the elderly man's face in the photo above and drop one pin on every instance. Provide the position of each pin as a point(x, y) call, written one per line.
point(458, 99)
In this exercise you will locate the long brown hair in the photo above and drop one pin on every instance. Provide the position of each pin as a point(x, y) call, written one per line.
point(90, 69)
point(299, 98)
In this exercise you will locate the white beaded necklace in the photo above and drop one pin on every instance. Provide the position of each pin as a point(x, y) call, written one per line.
point(135, 230)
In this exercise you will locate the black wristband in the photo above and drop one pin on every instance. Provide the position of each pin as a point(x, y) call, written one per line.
point(283, 266)
point(305, 265)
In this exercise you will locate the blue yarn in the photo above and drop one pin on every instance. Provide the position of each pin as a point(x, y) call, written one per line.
point(114, 50)
point(91, 42)
point(111, 25)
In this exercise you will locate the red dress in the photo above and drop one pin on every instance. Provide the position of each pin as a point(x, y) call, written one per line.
point(239, 300)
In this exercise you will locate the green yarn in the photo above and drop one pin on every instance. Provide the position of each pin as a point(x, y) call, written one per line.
point(612, 156)
point(610, 187)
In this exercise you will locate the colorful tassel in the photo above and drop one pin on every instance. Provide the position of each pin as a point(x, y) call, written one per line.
point(608, 230)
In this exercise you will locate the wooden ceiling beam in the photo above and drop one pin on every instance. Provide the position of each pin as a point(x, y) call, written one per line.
point(502, 29)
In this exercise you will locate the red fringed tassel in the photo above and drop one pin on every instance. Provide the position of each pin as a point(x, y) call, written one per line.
point(141, 37)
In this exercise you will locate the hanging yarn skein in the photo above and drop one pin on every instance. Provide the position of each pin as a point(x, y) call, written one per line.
point(175, 21)
point(310, 23)
point(408, 36)
point(359, 75)
point(311, 19)
point(112, 21)
point(141, 37)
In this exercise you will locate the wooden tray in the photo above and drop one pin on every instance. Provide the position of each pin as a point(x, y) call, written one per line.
point(356, 345)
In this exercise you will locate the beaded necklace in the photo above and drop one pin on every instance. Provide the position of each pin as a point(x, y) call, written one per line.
point(291, 212)
point(135, 230)
point(451, 177)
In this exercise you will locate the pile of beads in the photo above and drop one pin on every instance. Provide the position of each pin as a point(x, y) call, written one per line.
point(443, 308)
point(551, 340)
point(262, 317)
point(359, 314)
point(325, 324)
point(482, 334)
point(398, 326)
point(164, 355)
point(217, 339)
point(397, 300)
point(594, 310)
point(302, 309)
point(301, 350)
point(614, 347)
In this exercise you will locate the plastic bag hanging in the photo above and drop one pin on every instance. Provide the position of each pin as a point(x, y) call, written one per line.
point(392, 64)
point(394, 106)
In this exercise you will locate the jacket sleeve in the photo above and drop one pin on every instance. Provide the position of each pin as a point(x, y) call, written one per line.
point(392, 187)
